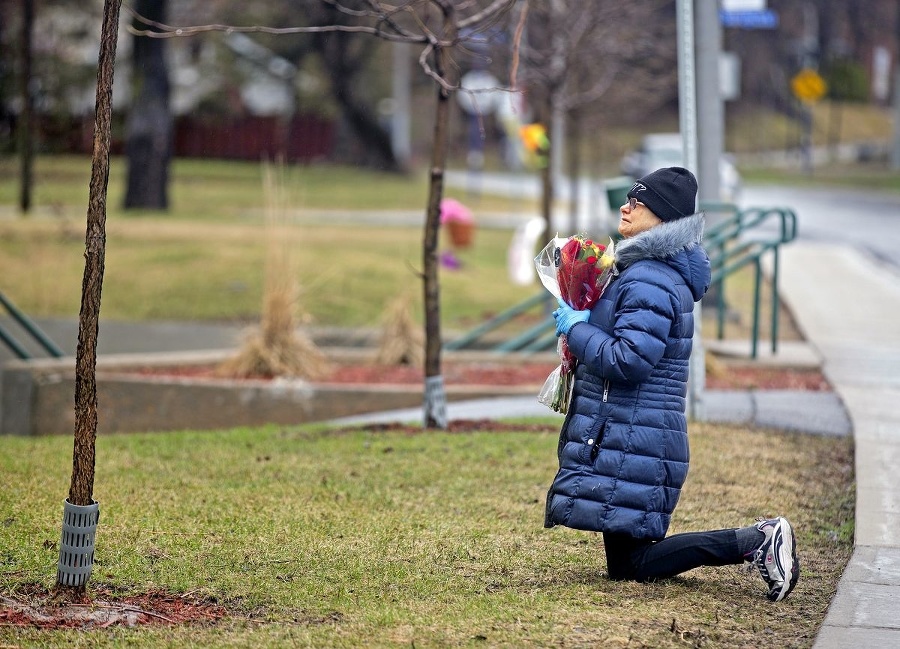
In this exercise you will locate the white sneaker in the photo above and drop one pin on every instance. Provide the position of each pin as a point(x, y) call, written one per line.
point(776, 558)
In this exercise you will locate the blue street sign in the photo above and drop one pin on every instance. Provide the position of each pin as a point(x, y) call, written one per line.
point(766, 19)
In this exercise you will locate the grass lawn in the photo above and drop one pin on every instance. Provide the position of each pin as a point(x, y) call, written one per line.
point(182, 270)
point(222, 190)
point(205, 259)
point(313, 537)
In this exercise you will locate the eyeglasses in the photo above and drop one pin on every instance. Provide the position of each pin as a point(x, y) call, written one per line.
point(633, 202)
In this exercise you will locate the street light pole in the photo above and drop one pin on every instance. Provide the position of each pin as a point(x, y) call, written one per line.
point(687, 84)
point(709, 104)
point(687, 93)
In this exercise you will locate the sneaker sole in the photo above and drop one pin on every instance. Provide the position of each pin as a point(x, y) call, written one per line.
point(785, 554)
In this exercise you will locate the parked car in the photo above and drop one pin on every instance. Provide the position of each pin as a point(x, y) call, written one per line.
point(659, 150)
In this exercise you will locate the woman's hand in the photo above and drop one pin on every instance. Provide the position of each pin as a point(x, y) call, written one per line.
point(567, 317)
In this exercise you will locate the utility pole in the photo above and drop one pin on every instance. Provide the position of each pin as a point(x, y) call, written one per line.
point(687, 82)
point(895, 149)
point(709, 105)
point(687, 114)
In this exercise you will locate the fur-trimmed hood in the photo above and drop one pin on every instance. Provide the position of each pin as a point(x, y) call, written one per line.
point(677, 243)
point(662, 241)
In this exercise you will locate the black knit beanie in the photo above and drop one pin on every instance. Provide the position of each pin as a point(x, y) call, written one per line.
point(670, 193)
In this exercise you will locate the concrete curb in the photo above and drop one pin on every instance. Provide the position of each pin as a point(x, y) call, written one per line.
point(36, 395)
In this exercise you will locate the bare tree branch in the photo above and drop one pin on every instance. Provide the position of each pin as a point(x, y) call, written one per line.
point(387, 26)
point(426, 67)
point(382, 13)
point(517, 45)
point(386, 13)
point(492, 11)
point(576, 99)
point(171, 31)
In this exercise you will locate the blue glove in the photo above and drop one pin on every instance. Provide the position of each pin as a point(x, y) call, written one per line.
point(567, 317)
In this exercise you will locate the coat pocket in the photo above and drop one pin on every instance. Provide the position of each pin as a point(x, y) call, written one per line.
point(594, 437)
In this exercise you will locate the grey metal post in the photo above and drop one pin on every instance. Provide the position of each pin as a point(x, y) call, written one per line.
point(895, 143)
point(895, 148)
point(687, 92)
point(400, 118)
point(687, 83)
point(710, 112)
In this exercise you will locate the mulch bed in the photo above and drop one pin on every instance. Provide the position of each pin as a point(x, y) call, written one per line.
point(732, 377)
point(101, 607)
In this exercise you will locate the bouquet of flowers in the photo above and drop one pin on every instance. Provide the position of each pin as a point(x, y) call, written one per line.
point(575, 270)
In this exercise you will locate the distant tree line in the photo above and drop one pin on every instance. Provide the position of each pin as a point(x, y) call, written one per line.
point(347, 76)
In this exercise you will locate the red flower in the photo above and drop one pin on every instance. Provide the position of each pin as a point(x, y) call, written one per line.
point(578, 274)
point(581, 276)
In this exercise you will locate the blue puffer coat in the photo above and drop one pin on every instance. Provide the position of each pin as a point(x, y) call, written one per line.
point(623, 449)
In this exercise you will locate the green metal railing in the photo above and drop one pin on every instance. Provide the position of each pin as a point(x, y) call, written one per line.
point(736, 240)
point(523, 340)
point(731, 248)
point(30, 328)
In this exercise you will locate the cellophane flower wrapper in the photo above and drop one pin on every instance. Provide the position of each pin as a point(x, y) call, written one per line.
point(576, 270)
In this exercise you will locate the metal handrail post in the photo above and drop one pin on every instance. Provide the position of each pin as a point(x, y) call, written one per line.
point(756, 300)
point(14, 344)
point(775, 299)
point(720, 310)
point(31, 328)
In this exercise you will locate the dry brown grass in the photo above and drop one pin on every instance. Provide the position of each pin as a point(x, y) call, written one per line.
point(402, 340)
point(277, 347)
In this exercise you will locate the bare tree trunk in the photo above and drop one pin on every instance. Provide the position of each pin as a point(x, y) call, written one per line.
point(26, 116)
point(574, 170)
point(374, 149)
point(148, 144)
point(547, 188)
point(435, 399)
point(82, 486)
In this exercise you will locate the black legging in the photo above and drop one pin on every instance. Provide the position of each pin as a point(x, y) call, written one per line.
point(642, 560)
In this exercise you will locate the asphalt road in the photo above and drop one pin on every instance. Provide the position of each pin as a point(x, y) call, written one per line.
point(863, 219)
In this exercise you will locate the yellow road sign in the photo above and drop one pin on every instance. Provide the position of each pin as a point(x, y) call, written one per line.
point(808, 86)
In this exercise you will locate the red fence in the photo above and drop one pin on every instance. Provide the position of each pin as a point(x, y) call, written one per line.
point(302, 138)
point(298, 139)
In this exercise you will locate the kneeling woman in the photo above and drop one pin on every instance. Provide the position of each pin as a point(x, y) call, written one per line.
point(623, 449)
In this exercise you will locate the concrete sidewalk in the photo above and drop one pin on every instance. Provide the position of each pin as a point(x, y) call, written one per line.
point(821, 412)
point(848, 307)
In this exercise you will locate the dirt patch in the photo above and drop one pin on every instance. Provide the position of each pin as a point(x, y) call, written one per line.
point(726, 377)
point(101, 607)
point(752, 377)
point(456, 426)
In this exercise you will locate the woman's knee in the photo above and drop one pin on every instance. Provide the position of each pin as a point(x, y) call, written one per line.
point(623, 556)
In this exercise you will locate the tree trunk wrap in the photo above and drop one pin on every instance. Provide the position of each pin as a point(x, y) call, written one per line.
point(76, 547)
